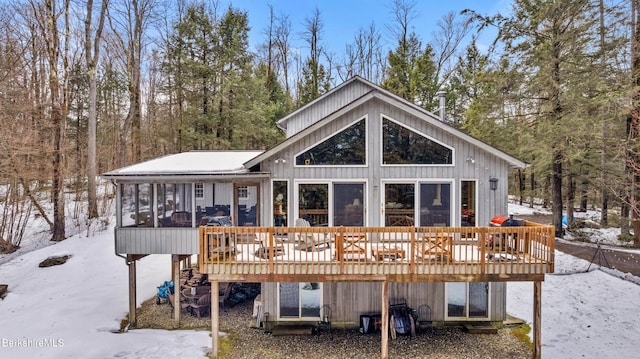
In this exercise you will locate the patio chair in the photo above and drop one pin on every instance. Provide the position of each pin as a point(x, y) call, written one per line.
point(436, 245)
point(353, 247)
point(181, 300)
point(224, 293)
point(265, 249)
point(181, 219)
point(201, 307)
point(308, 241)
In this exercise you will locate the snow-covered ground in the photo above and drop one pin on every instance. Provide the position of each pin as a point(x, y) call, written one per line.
point(73, 309)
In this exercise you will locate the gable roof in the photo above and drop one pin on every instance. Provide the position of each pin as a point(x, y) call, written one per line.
point(282, 123)
point(383, 95)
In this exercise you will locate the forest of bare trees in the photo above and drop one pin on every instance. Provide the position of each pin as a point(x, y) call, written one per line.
point(89, 86)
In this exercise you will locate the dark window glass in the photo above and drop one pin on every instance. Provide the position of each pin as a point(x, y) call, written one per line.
point(280, 203)
point(435, 204)
point(314, 203)
point(399, 208)
point(344, 148)
point(402, 146)
point(348, 204)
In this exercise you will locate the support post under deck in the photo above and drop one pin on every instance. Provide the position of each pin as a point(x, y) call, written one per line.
point(132, 291)
point(537, 322)
point(215, 317)
point(175, 269)
point(385, 321)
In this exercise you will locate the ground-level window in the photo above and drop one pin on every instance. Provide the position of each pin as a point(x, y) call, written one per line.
point(299, 300)
point(467, 300)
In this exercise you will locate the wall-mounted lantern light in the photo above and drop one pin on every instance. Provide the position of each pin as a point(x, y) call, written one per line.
point(493, 183)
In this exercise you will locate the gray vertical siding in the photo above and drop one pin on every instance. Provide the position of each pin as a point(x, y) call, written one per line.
point(486, 165)
point(138, 240)
point(347, 299)
point(324, 106)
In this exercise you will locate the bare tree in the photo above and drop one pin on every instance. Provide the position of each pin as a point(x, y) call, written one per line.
point(128, 21)
point(270, 41)
point(363, 57)
point(633, 123)
point(446, 42)
point(47, 17)
point(92, 56)
point(283, 47)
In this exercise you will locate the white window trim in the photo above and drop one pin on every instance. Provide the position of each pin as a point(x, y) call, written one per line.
point(299, 318)
point(366, 146)
point(288, 203)
point(466, 318)
point(243, 192)
point(329, 183)
point(416, 204)
point(475, 200)
point(199, 190)
point(382, 164)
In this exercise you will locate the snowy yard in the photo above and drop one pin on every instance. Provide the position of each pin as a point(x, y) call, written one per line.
point(73, 309)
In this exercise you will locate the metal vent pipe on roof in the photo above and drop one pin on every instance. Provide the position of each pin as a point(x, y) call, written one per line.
point(441, 96)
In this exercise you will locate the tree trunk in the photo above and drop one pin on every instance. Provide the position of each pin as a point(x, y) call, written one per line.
point(556, 191)
point(57, 116)
point(91, 61)
point(532, 190)
point(571, 196)
point(634, 126)
point(521, 185)
point(584, 194)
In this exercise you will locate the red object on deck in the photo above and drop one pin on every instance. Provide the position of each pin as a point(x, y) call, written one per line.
point(497, 221)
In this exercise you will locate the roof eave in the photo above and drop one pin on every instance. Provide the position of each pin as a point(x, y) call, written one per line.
point(183, 177)
point(282, 145)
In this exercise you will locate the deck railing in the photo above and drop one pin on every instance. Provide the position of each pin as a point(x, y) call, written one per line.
point(377, 253)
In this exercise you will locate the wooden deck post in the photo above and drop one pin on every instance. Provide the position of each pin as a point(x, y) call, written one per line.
point(175, 269)
point(132, 290)
point(537, 308)
point(385, 321)
point(215, 317)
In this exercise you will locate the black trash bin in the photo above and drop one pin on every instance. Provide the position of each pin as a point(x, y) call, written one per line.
point(370, 323)
point(366, 324)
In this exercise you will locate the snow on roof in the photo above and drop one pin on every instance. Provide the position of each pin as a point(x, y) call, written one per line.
point(194, 162)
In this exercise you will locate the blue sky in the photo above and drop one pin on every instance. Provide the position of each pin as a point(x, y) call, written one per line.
point(342, 19)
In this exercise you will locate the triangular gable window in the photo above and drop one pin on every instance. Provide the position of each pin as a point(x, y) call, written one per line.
point(402, 146)
point(347, 147)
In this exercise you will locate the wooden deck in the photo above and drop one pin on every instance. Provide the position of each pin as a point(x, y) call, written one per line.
point(397, 254)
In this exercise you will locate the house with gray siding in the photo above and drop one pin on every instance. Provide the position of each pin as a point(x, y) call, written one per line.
point(368, 202)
